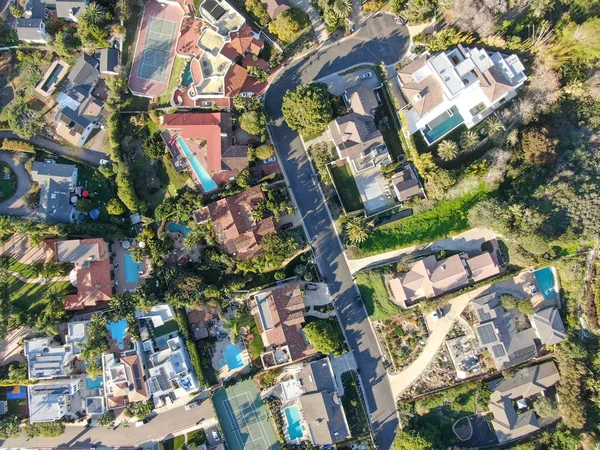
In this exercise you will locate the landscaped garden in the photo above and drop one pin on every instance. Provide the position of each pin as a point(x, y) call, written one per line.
point(346, 187)
point(375, 295)
point(356, 414)
point(8, 182)
point(404, 337)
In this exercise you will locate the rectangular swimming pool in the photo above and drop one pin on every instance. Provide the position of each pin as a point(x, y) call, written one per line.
point(442, 125)
point(546, 282)
point(208, 184)
point(131, 269)
point(292, 415)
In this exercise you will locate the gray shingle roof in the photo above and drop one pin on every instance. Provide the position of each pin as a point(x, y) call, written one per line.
point(549, 326)
point(84, 74)
point(69, 8)
point(55, 184)
point(109, 60)
point(29, 29)
point(317, 376)
point(325, 418)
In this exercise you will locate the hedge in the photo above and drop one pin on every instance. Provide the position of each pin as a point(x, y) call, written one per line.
point(17, 146)
point(184, 330)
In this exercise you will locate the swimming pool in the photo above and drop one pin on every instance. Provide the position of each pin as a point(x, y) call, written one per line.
point(546, 282)
point(118, 331)
point(292, 415)
point(187, 79)
point(175, 227)
point(208, 184)
point(94, 383)
point(131, 269)
point(233, 356)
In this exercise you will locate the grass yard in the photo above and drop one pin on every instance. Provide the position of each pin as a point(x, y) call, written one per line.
point(176, 443)
point(8, 182)
point(353, 406)
point(391, 132)
point(346, 188)
point(101, 189)
point(448, 218)
point(29, 297)
point(27, 271)
point(375, 296)
point(196, 438)
point(170, 180)
point(178, 68)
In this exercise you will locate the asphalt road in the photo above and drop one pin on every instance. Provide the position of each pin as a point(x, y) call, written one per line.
point(380, 40)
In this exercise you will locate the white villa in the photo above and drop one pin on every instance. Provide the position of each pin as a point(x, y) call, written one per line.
point(46, 360)
point(54, 399)
point(461, 85)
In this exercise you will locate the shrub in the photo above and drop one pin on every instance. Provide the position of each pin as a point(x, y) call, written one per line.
point(17, 146)
point(116, 207)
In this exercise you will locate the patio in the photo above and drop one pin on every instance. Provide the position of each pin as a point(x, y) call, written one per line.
point(123, 282)
point(374, 189)
point(187, 45)
point(210, 41)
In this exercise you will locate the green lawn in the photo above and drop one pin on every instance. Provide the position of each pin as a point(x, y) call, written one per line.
point(29, 297)
point(101, 189)
point(178, 68)
point(196, 438)
point(353, 406)
point(391, 132)
point(170, 180)
point(375, 296)
point(147, 181)
point(8, 181)
point(176, 443)
point(346, 188)
point(448, 218)
point(168, 327)
point(27, 271)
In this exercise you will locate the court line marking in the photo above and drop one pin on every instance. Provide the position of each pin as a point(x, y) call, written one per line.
point(145, 59)
point(229, 410)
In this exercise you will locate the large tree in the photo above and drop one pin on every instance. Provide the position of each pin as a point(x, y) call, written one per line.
point(287, 25)
point(323, 336)
point(538, 147)
point(447, 150)
point(253, 122)
point(308, 108)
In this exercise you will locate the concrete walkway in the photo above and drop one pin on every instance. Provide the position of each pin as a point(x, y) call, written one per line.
point(15, 205)
point(38, 280)
point(321, 315)
point(469, 241)
point(341, 365)
point(438, 331)
point(315, 19)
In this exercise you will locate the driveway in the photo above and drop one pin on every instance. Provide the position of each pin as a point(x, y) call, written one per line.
point(15, 205)
point(337, 84)
point(340, 365)
point(438, 331)
point(379, 40)
point(170, 423)
point(87, 155)
point(469, 241)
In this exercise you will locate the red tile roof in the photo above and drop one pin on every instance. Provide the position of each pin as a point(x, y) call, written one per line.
point(234, 80)
point(234, 226)
point(249, 61)
point(242, 41)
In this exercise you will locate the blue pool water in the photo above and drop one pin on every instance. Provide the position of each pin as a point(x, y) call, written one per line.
point(175, 227)
point(131, 269)
point(233, 356)
point(208, 184)
point(292, 414)
point(52, 78)
point(546, 282)
point(94, 383)
point(187, 76)
point(118, 331)
point(442, 125)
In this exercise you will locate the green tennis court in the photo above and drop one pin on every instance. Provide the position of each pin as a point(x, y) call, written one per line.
point(244, 419)
point(157, 49)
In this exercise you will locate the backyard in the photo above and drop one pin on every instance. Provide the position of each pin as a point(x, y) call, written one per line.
point(353, 406)
point(375, 295)
point(8, 182)
point(391, 127)
point(447, 218)
point(174, 81)
point(346, 188)
point(30, 297)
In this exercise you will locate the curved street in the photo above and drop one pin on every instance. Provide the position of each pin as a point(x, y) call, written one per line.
point(15, 204)
point(379, 41)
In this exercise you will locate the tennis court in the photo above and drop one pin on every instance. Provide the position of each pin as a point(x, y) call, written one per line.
point(157, 49)
point(243, 417)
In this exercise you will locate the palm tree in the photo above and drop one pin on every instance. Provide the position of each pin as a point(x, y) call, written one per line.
point(137, 253)
point(342, 8)
point(357, 230)
point(469, 139)
point(495, 126)
point(51, 270)
point(447, 150)
point(94, 13)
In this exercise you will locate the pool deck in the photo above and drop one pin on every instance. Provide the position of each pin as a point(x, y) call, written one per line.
point(121, 284)
point(63, 73)
point(219, 355)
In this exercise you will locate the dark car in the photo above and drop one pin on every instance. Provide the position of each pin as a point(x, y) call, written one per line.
point(358, 300)
point(287, 226)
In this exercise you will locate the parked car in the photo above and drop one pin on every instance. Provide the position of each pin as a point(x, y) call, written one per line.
point(192, 405)
point(139, 423)
point(311, 287)
point(533, 289)
point(400, 20)
point(287, 226)
point(435, 316)
point(358, 300)
point(366, 75)
point(315, 179)
point(272, 159)
point(104, 162)
point(215, 435)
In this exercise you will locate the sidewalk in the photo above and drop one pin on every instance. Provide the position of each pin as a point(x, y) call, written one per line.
point(469, 241)
point(315, 19)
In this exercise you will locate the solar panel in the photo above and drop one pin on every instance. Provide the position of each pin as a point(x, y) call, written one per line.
point(483, 316)
point(137, 377)
point(209, 5)
point(498, 351)
point(218, 12)
point(487, 335)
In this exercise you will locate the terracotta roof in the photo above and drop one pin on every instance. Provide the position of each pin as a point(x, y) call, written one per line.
point(138, 391)
point(429, 88)
point(235, 157)
point(242, 41)
point(494, 84)
point(234, 80)
point(286, 308)
point(234, 226)
point(275, 8)
point(249, 61)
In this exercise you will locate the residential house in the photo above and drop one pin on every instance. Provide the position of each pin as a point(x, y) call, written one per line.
point(511, 399)
point(509, 341)
point(429, 278)
point(236, 228)
point(32, 28)
point(457, 86)
point(313, 389)
point(241, 42)
point(46, 360)
point(407, 185)
point(275, 8)
point(124, 378)
point(204, 144)
point(52, 400)
point(92, 273)
point(109, 59)
point(280, 318)
point(79, 111)
point(57, 183)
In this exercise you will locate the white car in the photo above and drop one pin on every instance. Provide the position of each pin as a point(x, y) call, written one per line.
point(192, 405)
point(104, 162)
point(435, 316)
point(533, 289)
point(366, 75)
point(215, 435)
